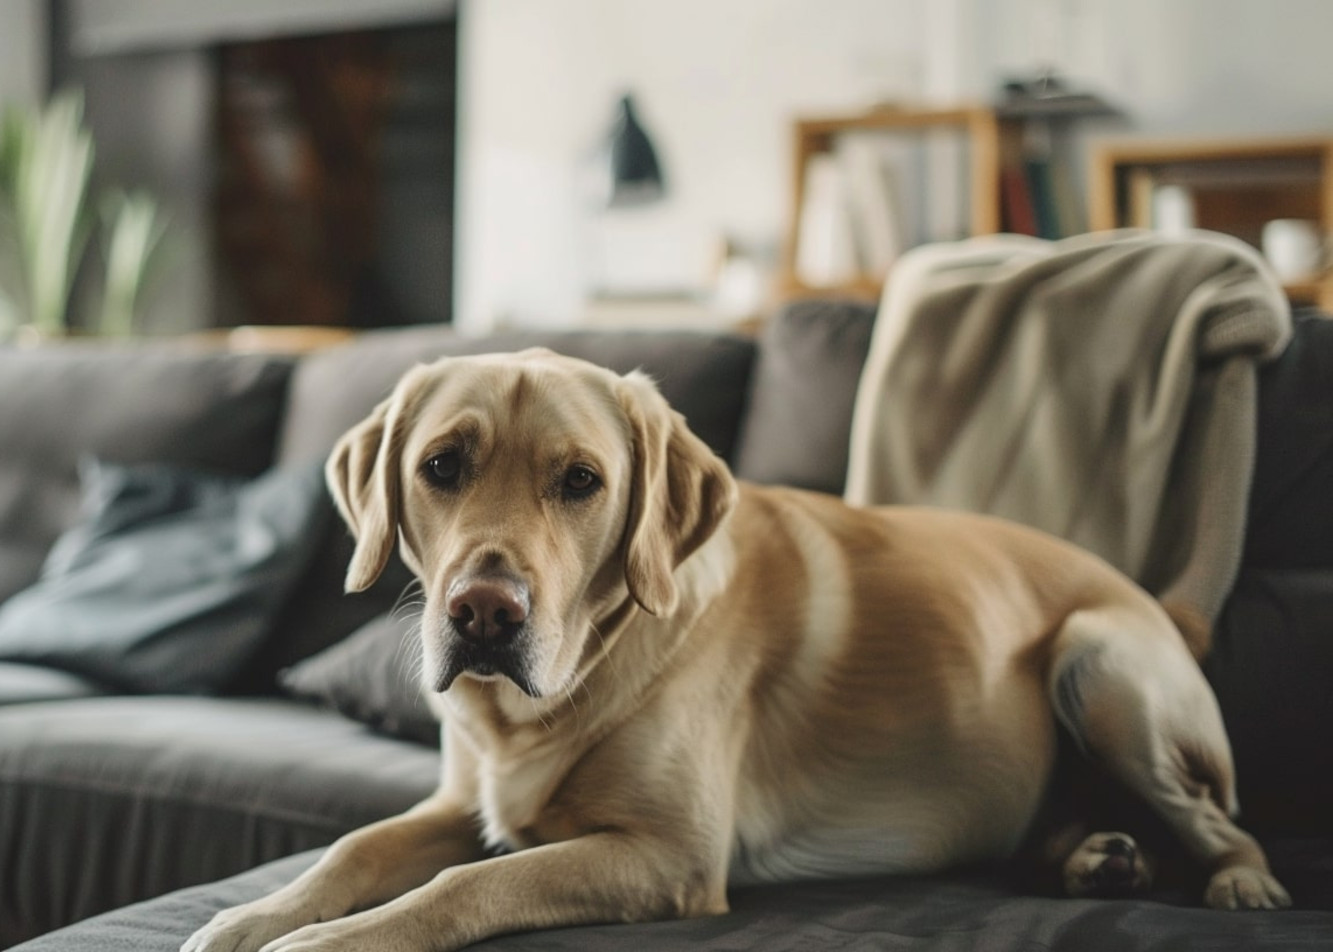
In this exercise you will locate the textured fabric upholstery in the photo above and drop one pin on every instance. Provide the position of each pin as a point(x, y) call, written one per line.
point(921, 915)
point(106, 801)
point(23, 683)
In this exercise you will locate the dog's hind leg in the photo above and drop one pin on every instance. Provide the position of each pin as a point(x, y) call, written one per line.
point(1126, 688)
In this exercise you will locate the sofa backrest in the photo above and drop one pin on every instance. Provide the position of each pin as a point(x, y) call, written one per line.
point(704, 375)
point(135, 404)
point(798, 422)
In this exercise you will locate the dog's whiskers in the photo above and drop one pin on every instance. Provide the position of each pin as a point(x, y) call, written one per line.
point(573, 704)
point(410, 608)
point(537, 711)
point(606, 651)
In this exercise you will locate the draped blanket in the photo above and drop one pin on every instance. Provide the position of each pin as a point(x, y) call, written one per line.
point(1101, 388)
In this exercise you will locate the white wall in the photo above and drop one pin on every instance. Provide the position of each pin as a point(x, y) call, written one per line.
point(1179, 67)
point(23, 52)
point(717, 82)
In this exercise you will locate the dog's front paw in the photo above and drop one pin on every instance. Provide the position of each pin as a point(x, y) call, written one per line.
point(1244, 887)
point(247, 928)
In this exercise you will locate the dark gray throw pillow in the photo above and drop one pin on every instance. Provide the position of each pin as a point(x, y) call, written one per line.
point(798, 423)
point(170, 580)
point(368, 677)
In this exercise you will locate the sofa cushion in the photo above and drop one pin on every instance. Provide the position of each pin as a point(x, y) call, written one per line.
point(704, 375)
point(106, 801)
point(1272, 670)
point(172, 578)
point(146, 403)
point(368, 677)
point(939, 914)
point(24, 683)
point(799, 417)
point(1291, 504)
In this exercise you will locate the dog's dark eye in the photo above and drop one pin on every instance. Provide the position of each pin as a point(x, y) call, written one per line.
point(444, 469)
point(580, 482)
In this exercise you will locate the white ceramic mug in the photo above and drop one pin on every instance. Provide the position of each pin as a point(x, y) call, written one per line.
point(1293, 246)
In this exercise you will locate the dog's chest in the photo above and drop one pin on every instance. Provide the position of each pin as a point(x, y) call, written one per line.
point(514, 798)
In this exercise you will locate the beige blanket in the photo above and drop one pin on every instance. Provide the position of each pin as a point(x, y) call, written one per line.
point(1101, 388)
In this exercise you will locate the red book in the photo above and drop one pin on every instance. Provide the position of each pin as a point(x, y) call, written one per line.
point(1019, 215)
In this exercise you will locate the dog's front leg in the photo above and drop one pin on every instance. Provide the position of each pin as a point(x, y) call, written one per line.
point(363, 868)
point(601, 877)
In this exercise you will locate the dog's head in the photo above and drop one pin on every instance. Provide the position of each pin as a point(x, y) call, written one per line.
point(531, 494)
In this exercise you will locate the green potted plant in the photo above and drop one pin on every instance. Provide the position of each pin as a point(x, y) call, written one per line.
point(47, 221)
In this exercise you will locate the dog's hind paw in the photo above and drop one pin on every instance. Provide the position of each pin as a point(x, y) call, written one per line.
point(1244, 887)
point(1108, 865)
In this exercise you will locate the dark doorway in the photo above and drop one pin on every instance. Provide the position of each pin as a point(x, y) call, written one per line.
point(334, 197)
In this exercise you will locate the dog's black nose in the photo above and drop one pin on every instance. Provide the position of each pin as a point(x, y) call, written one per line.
point(489, 609)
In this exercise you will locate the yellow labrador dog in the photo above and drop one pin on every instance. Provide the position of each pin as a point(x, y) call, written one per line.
point(654, 681)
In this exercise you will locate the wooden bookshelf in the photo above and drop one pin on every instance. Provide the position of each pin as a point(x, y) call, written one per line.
point(1235, 187)
point(980, 128)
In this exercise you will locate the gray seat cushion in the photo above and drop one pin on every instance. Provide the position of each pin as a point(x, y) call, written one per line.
point(107, 801)
point(923, 915)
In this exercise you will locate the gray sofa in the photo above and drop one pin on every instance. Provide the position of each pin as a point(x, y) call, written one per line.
point(111, 796)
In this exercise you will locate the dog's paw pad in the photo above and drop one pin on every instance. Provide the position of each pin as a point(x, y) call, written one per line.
point(1243, 887)
point(1107, 865)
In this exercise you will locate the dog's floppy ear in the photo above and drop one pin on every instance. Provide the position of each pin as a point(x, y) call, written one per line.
point(679, 494)
point(363, 475)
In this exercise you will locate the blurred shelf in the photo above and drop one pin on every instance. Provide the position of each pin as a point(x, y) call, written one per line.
point(1316, 292)
point(944, 174)
point(1234, 186)
point(272, 339)
point(864, 288)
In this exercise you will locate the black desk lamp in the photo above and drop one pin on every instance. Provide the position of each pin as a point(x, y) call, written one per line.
point(636, 178)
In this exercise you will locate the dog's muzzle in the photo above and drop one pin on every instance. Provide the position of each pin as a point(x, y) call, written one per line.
point(488, 617)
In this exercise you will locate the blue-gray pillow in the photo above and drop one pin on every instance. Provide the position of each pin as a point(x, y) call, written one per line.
point(171, 579)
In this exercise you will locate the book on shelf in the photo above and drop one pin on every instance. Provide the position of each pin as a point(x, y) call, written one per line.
point(826, 253)
point(856, 214)
point(1019, 215)
point(873, 195)
point(1041, 190)
point(1069, 208)
point(875, 209)
point(944, 153)
point(1037, 191)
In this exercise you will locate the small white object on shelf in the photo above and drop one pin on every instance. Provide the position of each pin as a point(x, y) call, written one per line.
point(826, 244)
